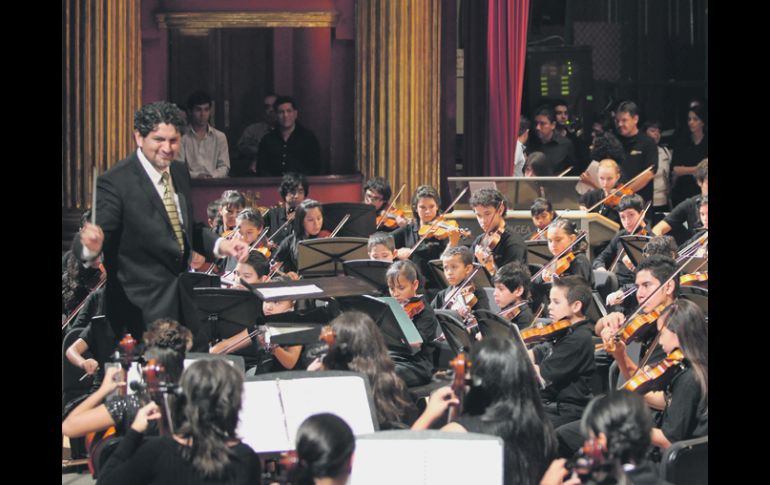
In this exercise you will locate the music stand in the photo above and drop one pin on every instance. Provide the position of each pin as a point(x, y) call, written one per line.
point(422, 457)
point(493, 325)
point(634, 246)
point(480, 279)
point(361, 222)
point(521, 191)
point(275, 405)
point(397, 328)
point(537, 252)
point(236, 361)
point(296, 328)
point(202, 280)
point(224, 312)
point(324, 257)
point(697, 295)
point(369, 270)
point(453, 328)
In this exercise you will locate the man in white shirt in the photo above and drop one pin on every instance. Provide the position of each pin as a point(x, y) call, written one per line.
point(204, 148)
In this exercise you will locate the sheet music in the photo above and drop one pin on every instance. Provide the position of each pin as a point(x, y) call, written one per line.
point(288, 291)
point(264, 419)
point(425, 461)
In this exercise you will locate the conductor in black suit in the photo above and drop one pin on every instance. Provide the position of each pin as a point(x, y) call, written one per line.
point(144, 225)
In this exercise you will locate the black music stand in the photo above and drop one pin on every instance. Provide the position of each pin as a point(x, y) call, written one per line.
point(537, 252)
point(493, 325)
point(480, 279)
point(361, 222)
point(634, 246)
point(324, 257)
point(397, 328)
point(369, 270)
point(454, 331)
point(224, 312)
point(202, 280)
point(297, 328)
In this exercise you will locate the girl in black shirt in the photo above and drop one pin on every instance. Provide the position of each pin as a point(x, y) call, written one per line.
point(307, 225)
point(609, 180)
point(503, 401)
point(203, 448)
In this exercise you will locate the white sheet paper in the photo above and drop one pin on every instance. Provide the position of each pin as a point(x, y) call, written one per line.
point(288, 291)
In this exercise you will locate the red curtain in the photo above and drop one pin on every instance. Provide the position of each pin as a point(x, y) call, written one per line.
point(506, 51)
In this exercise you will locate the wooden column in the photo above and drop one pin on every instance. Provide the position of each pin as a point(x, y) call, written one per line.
point(101, 90)
point(398, 92)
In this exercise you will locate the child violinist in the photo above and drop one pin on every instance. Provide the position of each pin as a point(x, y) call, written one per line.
point(230, 204)
point(684, 219)
point(293, 190)
point(417, 369)
point(542, 215)
point(630, 210)
point(609, 179)
point(650, 274)
point(511, 292)
point(566, 364)
point(307, 224)
point(250, 224)
point(561, 234)
point(381, 247)
point(498, 244)
point(377, 193)
point(458, 265)
point(425, 204)
point(253, 271)
point(684, 400)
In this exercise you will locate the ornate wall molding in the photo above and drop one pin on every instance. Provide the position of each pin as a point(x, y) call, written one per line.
point(196, 21)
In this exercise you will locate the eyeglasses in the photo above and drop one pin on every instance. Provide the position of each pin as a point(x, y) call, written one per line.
point(372, 198)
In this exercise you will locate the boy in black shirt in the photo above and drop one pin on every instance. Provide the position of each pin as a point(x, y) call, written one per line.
point(684, 219)
point(566, 364)
point(511, 288)
point(458, 265)
point(489, 206)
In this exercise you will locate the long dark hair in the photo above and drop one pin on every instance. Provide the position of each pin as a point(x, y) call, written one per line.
point(207, 414)
point(624, 418)
point(360, 347)
point(505, 392)
point(325, 444)
point(299, 218)
point(688, 322)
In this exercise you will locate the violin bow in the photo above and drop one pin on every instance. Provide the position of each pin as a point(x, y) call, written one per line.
point(390, 207)
point(253, 245)
point(633, 231)
point(565, 172)
point(556, 258)
point(615, 191)
point(541, 231)
point(505, 311)
point(537, 315)
point(102, 281)
point(339, 226)
point(693, 246)
point(436, 221)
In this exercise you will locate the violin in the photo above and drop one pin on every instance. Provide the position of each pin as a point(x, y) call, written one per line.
point(591, 457)
point(562, 264)
point(512, 311)
point(694, 278)
point(638, 328)
point(329, 339)
point(442, 228)
point(657, 377)
point(462, 302)
point(541, 333)
point(614, 198)
point(485, 247)
point(460, 365)
point(561, 261)
point(96, 441)
point(413, 306)
point(388, 218)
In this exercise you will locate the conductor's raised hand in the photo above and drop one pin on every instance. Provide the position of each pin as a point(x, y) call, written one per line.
point(234, 247)
point(92, 237)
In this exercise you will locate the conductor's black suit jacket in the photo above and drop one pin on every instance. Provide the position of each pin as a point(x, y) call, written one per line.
point(141, 254)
